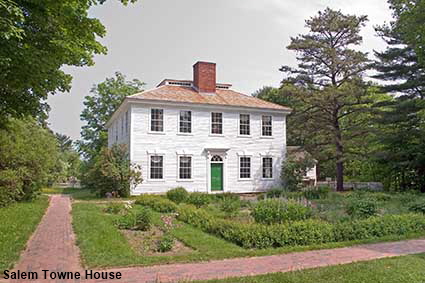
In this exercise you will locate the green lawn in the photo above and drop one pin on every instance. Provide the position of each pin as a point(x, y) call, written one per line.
point(18, 222)
point(76, 193)
point(409, 269)
point(102, 244)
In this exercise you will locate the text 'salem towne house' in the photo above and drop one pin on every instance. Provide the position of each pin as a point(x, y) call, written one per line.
point(201, 135)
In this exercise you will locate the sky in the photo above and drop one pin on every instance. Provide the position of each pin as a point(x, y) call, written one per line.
point(156, 39)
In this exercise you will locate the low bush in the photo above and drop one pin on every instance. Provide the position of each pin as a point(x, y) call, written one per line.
point(157, 203)
point(166, 243)
point(272, 211)
point(417, 206)
point(178, 195)
point(316, 192)
point(198, 199)
point(230, 206)
point(307, 232)
point(275, 193)
point(226, 196)
point(139, 220)
point(114, 208)
point(362, 207)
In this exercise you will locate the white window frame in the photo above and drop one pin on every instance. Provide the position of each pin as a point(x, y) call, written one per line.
point(163, 168)
point(191, 123)
point(222, 124)
point(262, 167)
point(249, 124)
point(150, 121)
point(261, 129)
point(239, 167)
point(191, 167)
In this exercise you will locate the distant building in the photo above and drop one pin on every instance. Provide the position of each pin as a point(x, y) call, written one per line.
point(297, 153)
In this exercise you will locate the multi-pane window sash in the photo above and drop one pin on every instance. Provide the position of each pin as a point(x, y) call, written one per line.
point(266, 125)
point(185, 125)
point(244, 167)
point(185, 167)
point(267, 167)
point(157, 120)
point(157, 167)
point(217, 123)
point(244, 124)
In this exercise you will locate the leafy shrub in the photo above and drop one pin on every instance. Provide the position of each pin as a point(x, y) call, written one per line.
point(139, 220)
point(273, 211)
point(230, 206)
point(227, 195)
point(293, 171)
point(157, 203)
point(143, 219)
point(307, 232)
point(178, 195)
point(198, 199)
point(418, 207)
point(275, 193)
point(316, 192)
point(114, 208)
point(166, 243)
point(10, 187)
point(362, 208)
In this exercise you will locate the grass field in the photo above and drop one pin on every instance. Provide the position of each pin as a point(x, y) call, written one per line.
point(18, 222)
point(409, 269)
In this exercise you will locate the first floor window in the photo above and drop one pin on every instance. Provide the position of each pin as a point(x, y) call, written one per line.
point(245, 167)
point(157, 167)
point(185, 167)
point(217, 123)
point(267, 167)
point(244, 127)
point(185, 121)
point(157, 120)
point(266, 122)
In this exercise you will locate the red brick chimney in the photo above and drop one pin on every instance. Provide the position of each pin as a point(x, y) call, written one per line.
point(204, 77)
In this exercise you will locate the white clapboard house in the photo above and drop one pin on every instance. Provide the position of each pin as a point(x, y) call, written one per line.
point(201, 135)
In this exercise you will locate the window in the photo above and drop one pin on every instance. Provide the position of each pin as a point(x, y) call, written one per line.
point(244, 127)
point(217, 123)
point(157, 120)
point(185, 125)
point(185, 167)
point(244, 167)
point(157, 167)
point(267, 167)
point(266, 126)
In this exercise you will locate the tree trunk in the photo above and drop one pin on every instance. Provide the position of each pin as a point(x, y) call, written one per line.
point(339, 157)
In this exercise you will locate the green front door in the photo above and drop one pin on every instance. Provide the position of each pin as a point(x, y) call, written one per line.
point(216, 176)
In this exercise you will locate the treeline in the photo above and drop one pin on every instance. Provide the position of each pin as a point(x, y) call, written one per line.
point(355, 127)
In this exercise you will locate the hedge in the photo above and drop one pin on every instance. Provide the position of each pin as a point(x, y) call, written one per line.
point(157, 203)
point(305, 232)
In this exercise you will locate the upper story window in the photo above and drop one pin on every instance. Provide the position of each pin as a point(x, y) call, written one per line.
point(244, 167)
point(157, 120)
point(266, 126)
point(185, 123)
point(216, 123)
point(185, 167)
point(244, 125)
point(157, 167)
point(267, 167)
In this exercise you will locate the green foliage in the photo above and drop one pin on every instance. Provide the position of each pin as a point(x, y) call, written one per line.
point(417, 206)
point(294, 170)
point(112, 171)
point(305, 232)
point(198, 199)
point(166, 243)
point(157, 203)
point(105, 98)
point(362, 207)
point(114, 208)
point(312, 193)
point(273, 211)
point(178, 195)
point(135, 220)
point(230, 206)
point(28, 158)
point(38, 38)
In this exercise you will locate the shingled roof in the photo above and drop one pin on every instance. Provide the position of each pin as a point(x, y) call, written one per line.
point(187, 94)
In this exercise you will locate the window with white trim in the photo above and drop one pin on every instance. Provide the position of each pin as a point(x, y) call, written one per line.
point(244, 125)
point(156, 167)
point(216, 123)
point(185, 167)
point(157, 120)
point(267, 125)
point(185, 123)
point(244, 167)
point(267, 167)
